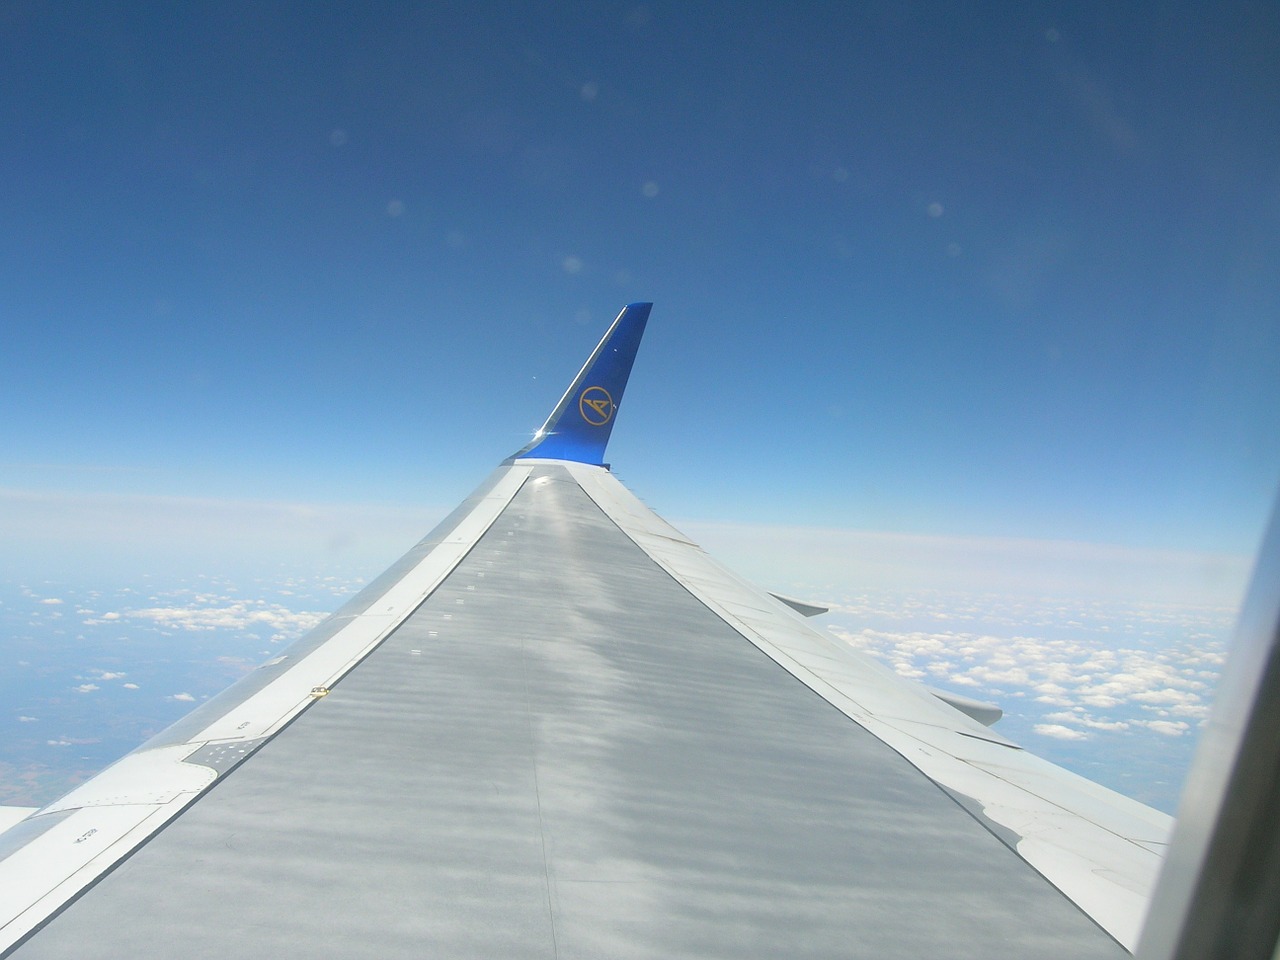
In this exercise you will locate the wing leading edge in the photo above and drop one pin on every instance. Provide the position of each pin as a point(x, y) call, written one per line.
point(557, 727)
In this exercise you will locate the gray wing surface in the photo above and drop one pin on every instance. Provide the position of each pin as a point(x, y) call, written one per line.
point(563, 752)
point(557, 728)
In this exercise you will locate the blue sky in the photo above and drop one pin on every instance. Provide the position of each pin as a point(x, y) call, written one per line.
point(958, 273)
point(1005, 271)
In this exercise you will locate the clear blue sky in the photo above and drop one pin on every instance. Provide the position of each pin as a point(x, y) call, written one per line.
point(1003, 269)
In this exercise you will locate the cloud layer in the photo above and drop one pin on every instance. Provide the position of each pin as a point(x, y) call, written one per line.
point(1082, 683)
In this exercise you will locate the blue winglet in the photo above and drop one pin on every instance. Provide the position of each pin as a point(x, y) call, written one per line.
point(579, 426)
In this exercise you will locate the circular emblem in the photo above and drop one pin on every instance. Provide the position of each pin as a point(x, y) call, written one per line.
point(596, 406)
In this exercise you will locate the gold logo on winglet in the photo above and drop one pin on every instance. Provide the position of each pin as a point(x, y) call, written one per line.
point(596, 406)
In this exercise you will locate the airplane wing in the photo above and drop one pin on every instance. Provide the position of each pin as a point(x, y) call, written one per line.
point(557, 728)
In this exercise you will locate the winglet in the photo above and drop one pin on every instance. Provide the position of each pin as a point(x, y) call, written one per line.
point(579, 426)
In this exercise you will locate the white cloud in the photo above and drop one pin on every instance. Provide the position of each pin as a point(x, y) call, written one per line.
point(130, 686)
point(184, 697)
point(1005, 676)
point(1102, 701)
point(237, 615)
point(1170, 728)
point(1053, 701)
point(27, 719)
point(1083, 670)
point(51, 601)
point(86, 688)
point(1167, 696)
point(1085, 720)
point(107, 675)
point(1059, 732)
